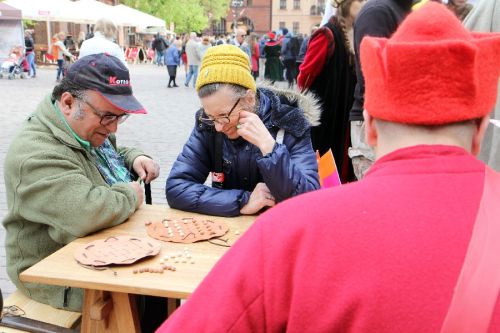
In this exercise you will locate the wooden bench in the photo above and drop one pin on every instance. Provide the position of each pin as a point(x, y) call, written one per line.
point(38, 317)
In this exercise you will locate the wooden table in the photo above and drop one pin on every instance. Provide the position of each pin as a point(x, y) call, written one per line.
point(109, 303)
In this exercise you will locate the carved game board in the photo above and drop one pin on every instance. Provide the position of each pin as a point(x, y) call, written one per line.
point(119, 250)
point(186, 230)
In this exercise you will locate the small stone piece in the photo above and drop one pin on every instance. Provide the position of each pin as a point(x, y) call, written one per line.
point(237, 232)
point(135, 271)
point(192, 261)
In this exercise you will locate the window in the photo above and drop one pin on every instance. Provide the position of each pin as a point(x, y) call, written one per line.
point(282, 25)
point(282, 4)
point(295, 27)
point(296, 4)
point(321, 7)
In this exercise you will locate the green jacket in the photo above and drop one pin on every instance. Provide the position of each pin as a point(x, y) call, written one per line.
point(56, 194)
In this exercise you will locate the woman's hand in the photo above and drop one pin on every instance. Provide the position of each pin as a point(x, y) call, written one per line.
point(252, 129)
point(261, 197)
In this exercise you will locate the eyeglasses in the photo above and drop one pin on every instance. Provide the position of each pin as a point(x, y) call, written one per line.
point(222, 120)
point(107, 118)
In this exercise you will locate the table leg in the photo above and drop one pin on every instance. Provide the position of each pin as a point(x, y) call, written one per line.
point(105, 311)
point(172, 305)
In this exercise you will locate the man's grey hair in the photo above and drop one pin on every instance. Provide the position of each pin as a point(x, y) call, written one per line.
point(67, 85)
point(79, 114)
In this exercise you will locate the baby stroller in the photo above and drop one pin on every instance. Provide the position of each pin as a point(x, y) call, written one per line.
point(15, 67)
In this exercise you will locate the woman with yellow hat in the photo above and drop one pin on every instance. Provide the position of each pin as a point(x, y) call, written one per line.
point(255, 142)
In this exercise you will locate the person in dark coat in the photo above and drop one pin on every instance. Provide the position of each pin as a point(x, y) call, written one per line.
point(272, 50)
point(159, 45)
point(328, 71)
point(378, 18)
point(265, 147)
point(30, 53)
point(289, 56)
point(172, 60)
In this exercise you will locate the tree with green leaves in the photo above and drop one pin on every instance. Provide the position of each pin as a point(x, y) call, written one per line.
point(187, 15)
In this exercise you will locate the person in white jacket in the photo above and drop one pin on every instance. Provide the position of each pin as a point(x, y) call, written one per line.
point(103, 41)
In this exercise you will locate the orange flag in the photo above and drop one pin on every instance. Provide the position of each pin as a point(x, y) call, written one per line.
point(327, 170)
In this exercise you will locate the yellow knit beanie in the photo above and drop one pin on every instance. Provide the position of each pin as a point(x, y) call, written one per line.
point(225, 64)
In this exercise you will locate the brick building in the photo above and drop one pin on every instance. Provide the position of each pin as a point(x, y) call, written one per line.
point(261, 16)
point(298, 16)
point(251, 15)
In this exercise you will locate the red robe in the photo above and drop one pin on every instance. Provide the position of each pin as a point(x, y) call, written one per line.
point(380, 255)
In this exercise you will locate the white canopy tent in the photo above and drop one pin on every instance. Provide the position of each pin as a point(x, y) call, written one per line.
point(48, 11)
point(91, 10)
point(84, 12)
point(135, 18)
point(11, 30)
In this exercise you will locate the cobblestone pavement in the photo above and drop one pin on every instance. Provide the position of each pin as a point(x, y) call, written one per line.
point(161, 133)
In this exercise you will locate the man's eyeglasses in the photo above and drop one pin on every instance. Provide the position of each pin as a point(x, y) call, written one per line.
point(222, 120)
point(107, 118)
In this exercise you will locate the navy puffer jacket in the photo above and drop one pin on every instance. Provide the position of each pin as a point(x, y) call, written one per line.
point(290, 169)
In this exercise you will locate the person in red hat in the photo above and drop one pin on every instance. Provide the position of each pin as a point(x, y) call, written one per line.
point(272, 50)
point(398, 257)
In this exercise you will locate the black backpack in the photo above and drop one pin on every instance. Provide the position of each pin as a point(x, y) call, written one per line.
point(295, 46)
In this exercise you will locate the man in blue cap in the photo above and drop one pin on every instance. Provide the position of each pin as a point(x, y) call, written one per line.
point(64, 175)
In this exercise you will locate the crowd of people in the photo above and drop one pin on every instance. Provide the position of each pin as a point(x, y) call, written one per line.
point(401, 94)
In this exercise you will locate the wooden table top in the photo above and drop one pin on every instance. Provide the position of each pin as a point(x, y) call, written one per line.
point(60, 268)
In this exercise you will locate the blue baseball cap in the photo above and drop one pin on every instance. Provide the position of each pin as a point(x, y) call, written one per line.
point(106, 75)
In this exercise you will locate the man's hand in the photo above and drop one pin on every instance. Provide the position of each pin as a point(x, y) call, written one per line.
point(146, 168)
point(140, 193)
point(252, 129)
point(261, 197)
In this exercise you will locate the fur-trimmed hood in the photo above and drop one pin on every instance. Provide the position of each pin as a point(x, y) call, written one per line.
point(288, 109)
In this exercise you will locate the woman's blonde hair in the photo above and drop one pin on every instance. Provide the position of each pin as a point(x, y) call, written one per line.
point(106, 27)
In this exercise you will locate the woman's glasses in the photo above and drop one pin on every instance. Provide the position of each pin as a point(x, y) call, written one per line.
point(222, 120)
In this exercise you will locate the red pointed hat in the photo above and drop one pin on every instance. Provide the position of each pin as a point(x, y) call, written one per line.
point(432, 71)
